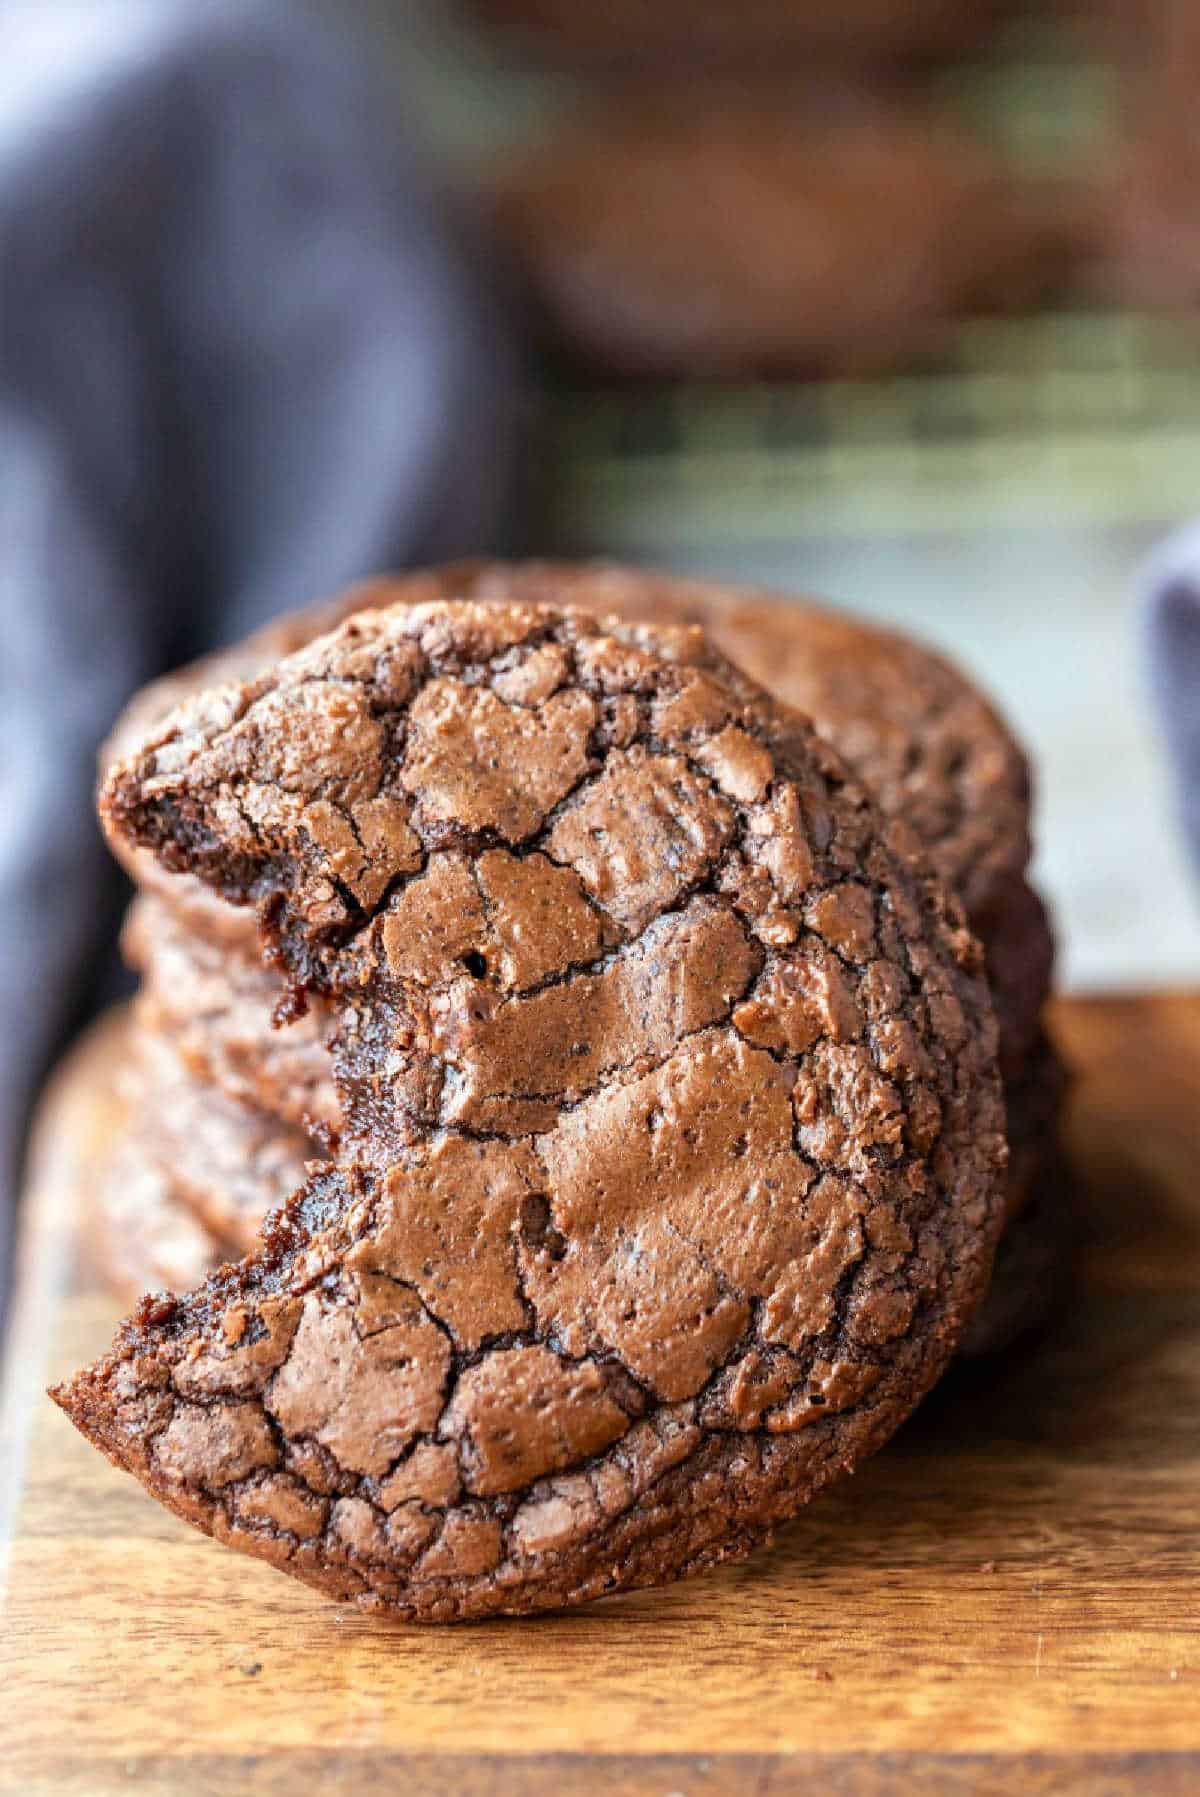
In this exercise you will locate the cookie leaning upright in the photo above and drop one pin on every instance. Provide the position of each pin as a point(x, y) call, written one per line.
point(671, 1167)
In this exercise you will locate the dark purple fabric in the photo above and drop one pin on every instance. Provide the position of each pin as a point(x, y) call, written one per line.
point(244, 359)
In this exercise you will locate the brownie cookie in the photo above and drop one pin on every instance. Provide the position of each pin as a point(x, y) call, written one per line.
point(931, 746)
point(1030, 1268)
point(217, 1004)
point(935, 754)
point(908, 730)
point(848, 31)
point(702, 236)
point(230, 1165)
point(199, 1160)
point(139, 1236)
point(225, 1162)
point(671, 1169)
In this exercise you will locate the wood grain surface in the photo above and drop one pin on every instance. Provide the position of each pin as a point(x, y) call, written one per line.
point(1006, 1600)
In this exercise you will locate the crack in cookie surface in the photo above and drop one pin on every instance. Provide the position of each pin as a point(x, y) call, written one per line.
point(935, 754)
point(671, 1128)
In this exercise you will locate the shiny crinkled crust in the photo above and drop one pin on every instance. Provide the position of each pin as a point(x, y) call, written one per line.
point(934, 753)
point(931, 748)
point(671, 1169)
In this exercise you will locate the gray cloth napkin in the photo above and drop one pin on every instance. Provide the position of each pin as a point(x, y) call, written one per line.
point(243, 361)
point(1171, 607)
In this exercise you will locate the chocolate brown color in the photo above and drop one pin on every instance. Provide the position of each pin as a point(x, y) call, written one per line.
point(1030, 1274)
point(933, 751)
point(849, 31)
point(216, 1003)
point(188, 1156)
point(697, 235)
point(139, 1234)
point(936, 753)
point(228, 1163)
point(671, 1167)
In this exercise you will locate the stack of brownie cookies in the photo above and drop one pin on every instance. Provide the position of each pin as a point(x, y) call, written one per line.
point(601, 1081)
point(231, 1108)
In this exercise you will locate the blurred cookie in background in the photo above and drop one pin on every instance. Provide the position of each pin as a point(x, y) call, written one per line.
point(711, 233)
point(1146, 35)
point(1143, 219)
point(856, 31)
point(1149, 230)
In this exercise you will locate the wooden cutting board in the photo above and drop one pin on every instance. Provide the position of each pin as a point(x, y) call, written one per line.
point(1006, 1600)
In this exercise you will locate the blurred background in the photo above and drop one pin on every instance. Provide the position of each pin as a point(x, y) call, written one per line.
point(890, 301)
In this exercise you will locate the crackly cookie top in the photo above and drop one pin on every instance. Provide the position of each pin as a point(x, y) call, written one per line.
point(672, 1123)
point(933, 751)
